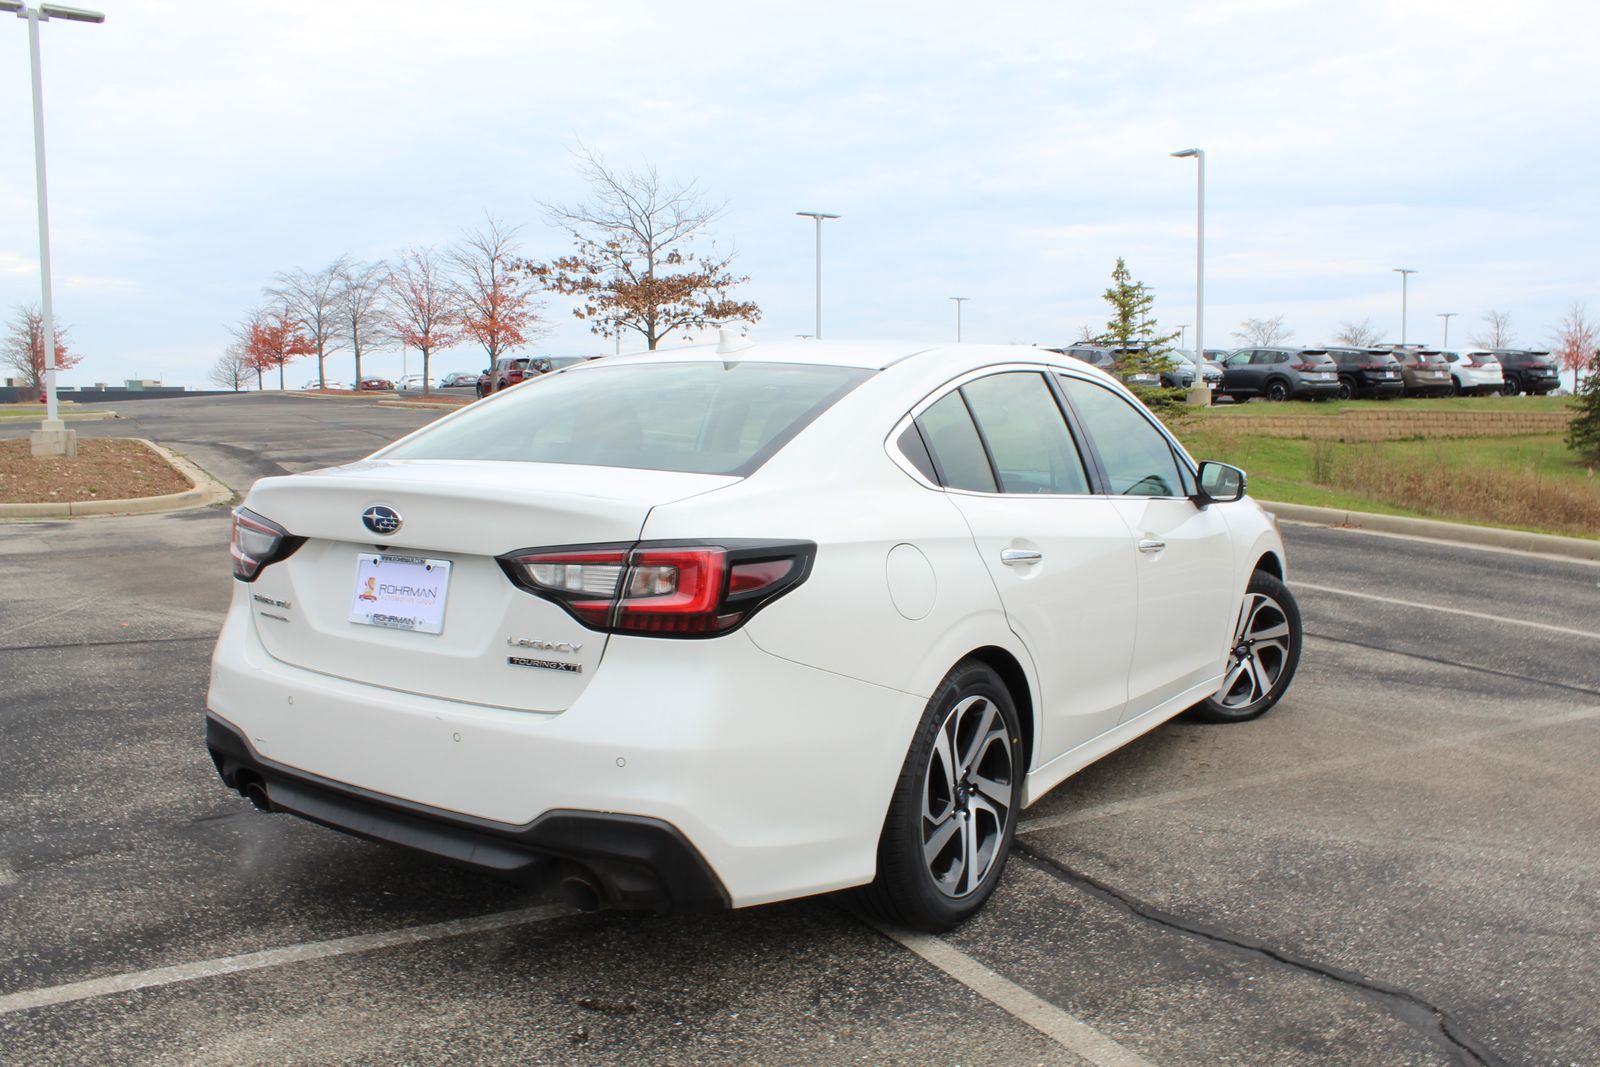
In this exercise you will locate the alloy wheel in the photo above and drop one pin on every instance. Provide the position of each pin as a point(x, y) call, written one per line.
point(967, 797)
point(1259, 655)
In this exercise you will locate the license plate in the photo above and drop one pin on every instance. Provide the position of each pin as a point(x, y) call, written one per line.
point(400, 592)
point(1323, 376)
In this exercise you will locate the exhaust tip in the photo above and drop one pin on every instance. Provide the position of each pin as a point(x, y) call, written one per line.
point(256, 793)
point(581, 893)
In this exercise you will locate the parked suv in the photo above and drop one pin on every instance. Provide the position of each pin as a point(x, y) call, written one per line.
point(1367, 372)
point(1473, 373)
point(1424, 370)
point(1526, 371)
point(1211, 373)
point(1110, 360)
point(1280, 374)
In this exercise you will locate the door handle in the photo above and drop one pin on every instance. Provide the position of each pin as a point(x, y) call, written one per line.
point(1150, 544)
point(1013, 557)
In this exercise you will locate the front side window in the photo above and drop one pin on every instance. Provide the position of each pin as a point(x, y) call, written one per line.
point(1136, 456)
point(1026, 433)
point(705, 418)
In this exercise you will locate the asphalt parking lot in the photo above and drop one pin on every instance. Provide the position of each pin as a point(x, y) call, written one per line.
point(1399, 865)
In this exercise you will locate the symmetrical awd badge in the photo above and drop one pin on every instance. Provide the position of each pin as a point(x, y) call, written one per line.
point(381, 519)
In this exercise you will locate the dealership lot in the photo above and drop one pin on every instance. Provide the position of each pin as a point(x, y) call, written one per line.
point(1398, 865)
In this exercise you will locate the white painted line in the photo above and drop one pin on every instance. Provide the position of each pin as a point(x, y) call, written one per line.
point(1068, 1031)
point(1448, 611)
point(274, 957)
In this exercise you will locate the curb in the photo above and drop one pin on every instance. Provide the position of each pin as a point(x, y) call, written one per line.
point(75, 416)
point(1435, 530)
point(207, 491)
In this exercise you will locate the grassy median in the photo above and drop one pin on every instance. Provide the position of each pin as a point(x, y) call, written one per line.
point(1531, 482)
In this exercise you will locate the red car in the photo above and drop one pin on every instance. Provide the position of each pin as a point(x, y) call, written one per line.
point(378, 385)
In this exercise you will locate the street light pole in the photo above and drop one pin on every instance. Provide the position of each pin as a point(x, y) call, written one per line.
point(1446, 316)
point(52, 438)
point(1199, 395)
point(959, 301)
point(819, 216)
point(1405, 276)
point(1183, 333)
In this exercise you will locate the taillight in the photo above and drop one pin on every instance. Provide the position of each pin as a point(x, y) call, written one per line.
point(1304, 366)
point(664, 589)
point(256, 542)
point(1374, 366)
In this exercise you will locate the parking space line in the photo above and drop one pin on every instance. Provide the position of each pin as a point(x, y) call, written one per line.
point(274, 957)
point(1291, 774)
point(1448, 611)
point(1067, 1030)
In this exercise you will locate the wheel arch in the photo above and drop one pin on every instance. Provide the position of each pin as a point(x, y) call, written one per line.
point(1271, 563)
point(1011, 672)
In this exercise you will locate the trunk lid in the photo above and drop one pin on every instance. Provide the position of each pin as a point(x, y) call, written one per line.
point(497, 644)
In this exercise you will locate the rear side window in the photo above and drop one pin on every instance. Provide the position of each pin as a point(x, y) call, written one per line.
point(1137, 458)
point(953, 439)
point(1026, 433)
point(704, 418)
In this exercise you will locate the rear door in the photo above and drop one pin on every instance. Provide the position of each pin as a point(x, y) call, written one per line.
point(1060, 557)
point(1185, 554)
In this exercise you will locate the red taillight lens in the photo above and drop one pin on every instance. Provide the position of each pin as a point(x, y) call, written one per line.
point(663, 589)
point(256, 542)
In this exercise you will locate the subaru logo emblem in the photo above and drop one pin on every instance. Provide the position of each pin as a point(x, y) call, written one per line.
point(381, 519)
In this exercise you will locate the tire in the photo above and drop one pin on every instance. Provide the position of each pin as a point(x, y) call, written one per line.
point(1511, 387)
point(1348, 390)
point(1277, 391)
point(1455, 386)
point(969, 734)
point(1265, 655)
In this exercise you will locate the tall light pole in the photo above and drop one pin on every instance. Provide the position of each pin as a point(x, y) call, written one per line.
point(959, 301)
point(1405, 276)
point(1183, 332)
point(1446, 316)
point(52, 438)
point(1199, 395)
point(819, 216)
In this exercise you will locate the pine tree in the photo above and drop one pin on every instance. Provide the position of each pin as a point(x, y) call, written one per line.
point(1132, 329)
point(1583, 435)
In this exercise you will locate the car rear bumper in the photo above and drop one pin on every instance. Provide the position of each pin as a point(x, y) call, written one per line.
point(777, 774)
point(1383, 386)
point(629, 861)
point(1316, 389)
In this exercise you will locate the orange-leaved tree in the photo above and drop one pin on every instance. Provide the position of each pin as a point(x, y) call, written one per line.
point(22, 347)
point(424, 307)
point(1575, 341)
point(498, 309)
point(273, 337)
point(634, 267)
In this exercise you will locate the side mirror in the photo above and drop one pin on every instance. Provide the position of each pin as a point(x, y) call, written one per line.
point(1219, 484)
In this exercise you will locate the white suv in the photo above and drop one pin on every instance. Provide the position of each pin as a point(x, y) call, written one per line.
point(1474, 372)
point(731, 624)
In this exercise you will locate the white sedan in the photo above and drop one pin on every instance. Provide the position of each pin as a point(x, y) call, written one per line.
point(732, 624)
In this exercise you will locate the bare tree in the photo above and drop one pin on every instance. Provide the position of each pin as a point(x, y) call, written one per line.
point(1495, 331)
point(1086, 336)
point(496, 299)
point(1263, 331)
point(232, 369)
point(634, 266)
point(1357, 334)
point(362, 314)
point(424, 308)
point(313, 299)
point(1575, 341)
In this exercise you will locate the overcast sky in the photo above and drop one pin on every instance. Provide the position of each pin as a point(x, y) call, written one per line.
point(1008, 152)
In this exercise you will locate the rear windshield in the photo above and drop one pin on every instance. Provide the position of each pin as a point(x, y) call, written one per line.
point(701, 418)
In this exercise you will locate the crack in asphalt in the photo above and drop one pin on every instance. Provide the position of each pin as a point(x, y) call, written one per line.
point(104, 644)
point(1457, 663)
point(1410, 1008)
